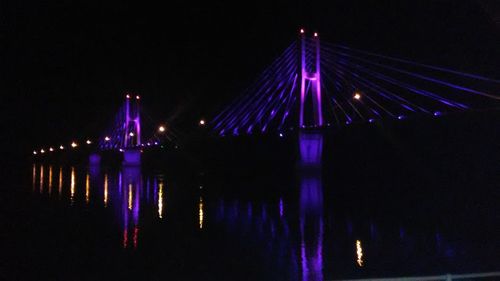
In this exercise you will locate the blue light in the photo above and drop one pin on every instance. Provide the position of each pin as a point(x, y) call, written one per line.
point(437, 113)
point(371, 120)
point(401, 117)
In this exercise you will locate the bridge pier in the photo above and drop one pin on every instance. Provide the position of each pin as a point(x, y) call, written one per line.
point(94, 159)
point(132, 157)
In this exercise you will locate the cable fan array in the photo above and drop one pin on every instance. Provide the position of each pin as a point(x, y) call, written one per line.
point(356, 86)
point(114, 136)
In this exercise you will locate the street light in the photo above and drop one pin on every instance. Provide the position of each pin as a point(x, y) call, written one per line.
point(107, 138)
point(89, 142)
point(357, 96)
point(73, 144)
point(202, 122)
point(161, 129)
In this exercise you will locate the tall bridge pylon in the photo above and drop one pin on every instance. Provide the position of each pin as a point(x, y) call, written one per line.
point(314, 84)
point(132, 124)
point(310, 80)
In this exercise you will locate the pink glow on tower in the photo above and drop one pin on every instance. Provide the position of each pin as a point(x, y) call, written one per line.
point(314, 78)
point(132, 125)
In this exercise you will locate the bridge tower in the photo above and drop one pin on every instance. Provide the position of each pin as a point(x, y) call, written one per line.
point(132, 124)
point(310, 79)
point(132, 132)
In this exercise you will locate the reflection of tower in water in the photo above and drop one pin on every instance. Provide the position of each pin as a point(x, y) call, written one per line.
point(130, 185)
point(311, 206)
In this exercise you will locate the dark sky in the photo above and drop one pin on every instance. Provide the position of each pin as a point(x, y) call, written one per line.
point(66, 64)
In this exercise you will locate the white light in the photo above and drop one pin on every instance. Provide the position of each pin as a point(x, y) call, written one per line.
point(131, 134)
point(301, 30)
point(315, 34)
point(89, 142)
point(73, 144)
point(42, 151)
point(359, 253)
point(121, 150)
point(34, 152)
point(202, 122)
point(128, 96)
point(107, 139)
point(161, 129)
point(281, 135)
point(137, 97)
point(61, 147)
point(51, 149)
point(357, 96)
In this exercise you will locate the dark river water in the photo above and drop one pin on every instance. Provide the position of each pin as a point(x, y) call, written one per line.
point(327, 214)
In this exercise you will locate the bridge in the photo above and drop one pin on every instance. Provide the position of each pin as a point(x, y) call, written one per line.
point(312, 85)
point(315, 84)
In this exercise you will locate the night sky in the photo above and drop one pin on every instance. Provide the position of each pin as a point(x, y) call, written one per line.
point(66, 64)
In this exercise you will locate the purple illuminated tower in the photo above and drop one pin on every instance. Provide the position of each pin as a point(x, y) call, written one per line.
point(310, 80)
point(132, 125)
point(132, 132)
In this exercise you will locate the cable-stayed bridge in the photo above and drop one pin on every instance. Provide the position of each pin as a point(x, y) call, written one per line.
point(313, 84)
point(316, 84)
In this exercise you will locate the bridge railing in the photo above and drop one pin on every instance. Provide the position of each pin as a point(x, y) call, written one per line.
point(445, 277)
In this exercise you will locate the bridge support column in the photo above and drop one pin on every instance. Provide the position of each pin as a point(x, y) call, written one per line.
point(94, 159)
point(310, 79)
point(132, 157)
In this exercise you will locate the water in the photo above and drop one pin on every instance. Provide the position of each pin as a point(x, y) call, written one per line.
point(318, 218)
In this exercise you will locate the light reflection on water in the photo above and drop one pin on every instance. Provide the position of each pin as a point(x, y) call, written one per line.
point(296, 234)
point(200, 213)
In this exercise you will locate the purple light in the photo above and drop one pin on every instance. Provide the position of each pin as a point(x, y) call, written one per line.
point(281, 207)
point(371, 120)
point(437, 113)
point(311, 147)
point(314, 79)
point(401, 117)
